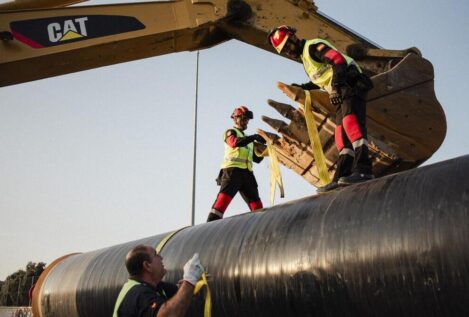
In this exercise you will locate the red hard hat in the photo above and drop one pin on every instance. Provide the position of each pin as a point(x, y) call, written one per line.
point(242, 111)
point(279, 36)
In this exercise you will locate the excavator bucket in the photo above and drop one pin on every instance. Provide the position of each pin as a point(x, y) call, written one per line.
point(405, 122)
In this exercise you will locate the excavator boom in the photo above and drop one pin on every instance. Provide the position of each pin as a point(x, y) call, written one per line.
point(93, 36)
point(406, 124)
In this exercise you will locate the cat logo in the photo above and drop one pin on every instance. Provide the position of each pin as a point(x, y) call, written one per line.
point(64, 30)
point(69, 30)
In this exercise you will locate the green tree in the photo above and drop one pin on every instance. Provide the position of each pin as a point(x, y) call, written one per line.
point(14, 290)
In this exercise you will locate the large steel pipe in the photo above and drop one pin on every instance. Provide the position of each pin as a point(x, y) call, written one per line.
point(395, 246)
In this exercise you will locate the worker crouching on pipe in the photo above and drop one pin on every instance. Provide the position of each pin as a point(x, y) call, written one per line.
point(342, 78)
point(236, 170)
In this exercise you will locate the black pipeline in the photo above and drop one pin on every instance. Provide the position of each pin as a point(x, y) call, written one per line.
point(395, 246)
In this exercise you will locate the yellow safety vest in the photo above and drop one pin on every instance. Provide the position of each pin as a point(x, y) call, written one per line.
point(125, 289)
point(320, 73)
point(240, 157)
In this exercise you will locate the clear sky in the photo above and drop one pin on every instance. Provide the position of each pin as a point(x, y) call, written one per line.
point(97, 158)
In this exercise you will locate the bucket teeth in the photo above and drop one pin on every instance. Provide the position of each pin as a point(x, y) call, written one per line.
point(282, 127)
point(277, 125)
point(284, 109)
point(293, 146)
point(269, 136)
point(292, 92)
point(293, 155)
point(295, 115)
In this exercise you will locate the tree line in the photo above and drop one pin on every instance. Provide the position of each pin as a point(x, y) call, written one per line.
point(14, 291)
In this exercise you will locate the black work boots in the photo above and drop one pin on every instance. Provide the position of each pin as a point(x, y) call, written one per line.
point(355, 178)
point(331, 186)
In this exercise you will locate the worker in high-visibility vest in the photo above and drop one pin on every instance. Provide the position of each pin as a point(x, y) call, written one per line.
point(145, 295)
point(236, 170)
point(342, 78)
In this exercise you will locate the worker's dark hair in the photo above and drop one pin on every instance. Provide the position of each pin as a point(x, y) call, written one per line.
point(135, 258)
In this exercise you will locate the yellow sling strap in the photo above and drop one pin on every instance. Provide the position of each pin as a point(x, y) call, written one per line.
point(316, 143)
point(208, 296)
point(275, 175)
point(163, 241)
point(199, 284)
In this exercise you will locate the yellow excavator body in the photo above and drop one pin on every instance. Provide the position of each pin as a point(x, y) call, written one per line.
point(406, 124)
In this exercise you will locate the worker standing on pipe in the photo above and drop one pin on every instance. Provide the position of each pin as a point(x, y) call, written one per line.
point(145, 295)
point(347, 86)
point(236, 170)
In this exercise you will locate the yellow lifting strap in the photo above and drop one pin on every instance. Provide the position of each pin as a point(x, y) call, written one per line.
point(208, 296)
point(201, 283)
point(275, 175)
point(315, 141)
point(163, 241)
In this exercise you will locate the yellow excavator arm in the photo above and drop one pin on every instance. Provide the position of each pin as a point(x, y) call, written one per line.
point(40, 43)
point(406, 124)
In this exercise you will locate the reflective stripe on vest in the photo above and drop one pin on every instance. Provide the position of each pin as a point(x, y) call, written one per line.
point(320, 73)
point(240, 157)
point(125, 289)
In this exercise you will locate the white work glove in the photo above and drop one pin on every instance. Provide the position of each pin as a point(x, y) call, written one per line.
point(193, 270)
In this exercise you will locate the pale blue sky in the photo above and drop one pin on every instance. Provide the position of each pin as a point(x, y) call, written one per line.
point(101, 157)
